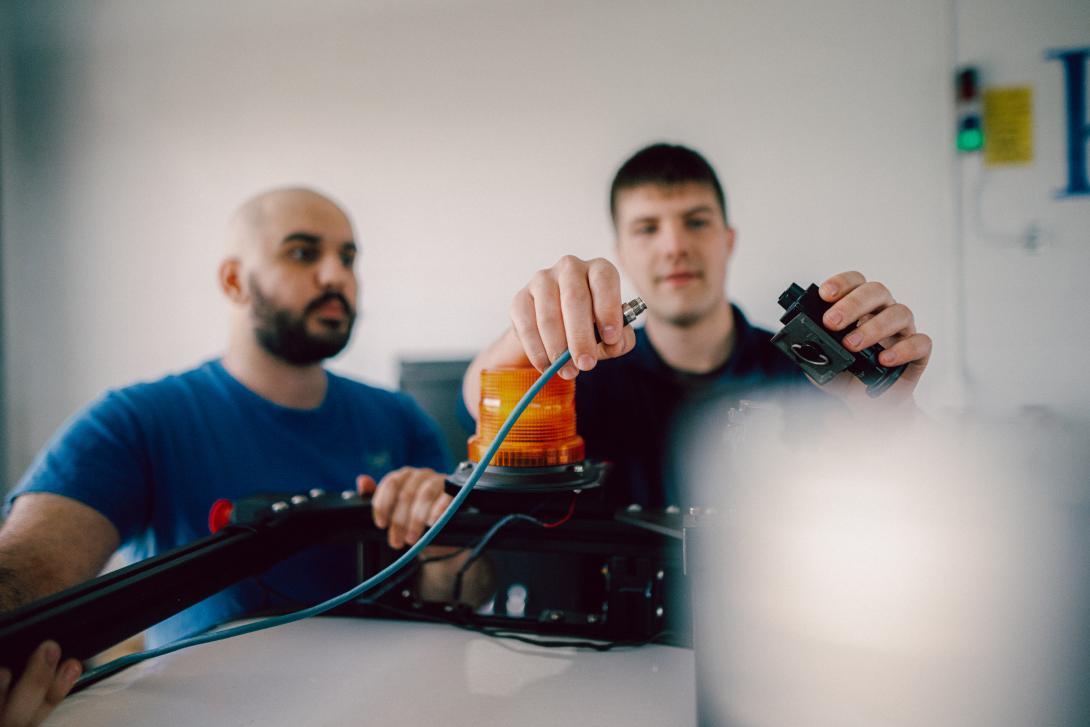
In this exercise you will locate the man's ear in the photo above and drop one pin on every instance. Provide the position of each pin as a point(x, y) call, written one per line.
point(730, 241)
point(230, 277)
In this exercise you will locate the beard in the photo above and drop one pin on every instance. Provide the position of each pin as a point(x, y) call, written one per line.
point(684, 320)
point(285, 335)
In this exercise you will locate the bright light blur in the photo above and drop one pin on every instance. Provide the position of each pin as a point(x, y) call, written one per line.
point(882, 575)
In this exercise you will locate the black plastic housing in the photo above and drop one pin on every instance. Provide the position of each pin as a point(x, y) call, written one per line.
point(820, 352)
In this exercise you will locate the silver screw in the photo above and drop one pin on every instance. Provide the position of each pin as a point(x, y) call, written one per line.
point(659, 612)
point(659, 576)
point(279, 506)
point(298, 499)
point(347, 495)
point(316, 492)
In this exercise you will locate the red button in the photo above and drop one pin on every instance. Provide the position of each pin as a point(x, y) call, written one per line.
point(220, 515)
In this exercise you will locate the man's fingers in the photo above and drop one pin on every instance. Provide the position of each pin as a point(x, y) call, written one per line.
point(428, 496)
point(866, 298)
point(894, 321)
point(437, 509)
point(869, 315)
point(66, 676)
point(406, 501)
point(625, 344)
point(577, 310)
point(27, 695)
point(836, 287)
point(549, 316)
point(386, 494)
point(561, 308)
point(524, 323)
point(399, 518)
point(605, 290)
point(914, 350)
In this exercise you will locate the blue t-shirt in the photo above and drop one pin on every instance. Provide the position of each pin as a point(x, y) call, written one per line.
point(153, 457)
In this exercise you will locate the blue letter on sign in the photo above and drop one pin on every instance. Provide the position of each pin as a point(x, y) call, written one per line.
point(1078, 127)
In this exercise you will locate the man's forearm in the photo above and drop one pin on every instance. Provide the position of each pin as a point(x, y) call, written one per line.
point(14, 592)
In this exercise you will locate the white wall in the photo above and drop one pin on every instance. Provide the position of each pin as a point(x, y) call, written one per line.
point(1027, 249)
point(474, 142)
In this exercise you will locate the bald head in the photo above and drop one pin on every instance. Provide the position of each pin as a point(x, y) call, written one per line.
point(289, 271)
point(264, 219)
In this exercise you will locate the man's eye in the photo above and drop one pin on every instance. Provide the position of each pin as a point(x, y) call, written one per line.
point(696, 223)
point(348, 259)
point(646, 230)
point(302, 254)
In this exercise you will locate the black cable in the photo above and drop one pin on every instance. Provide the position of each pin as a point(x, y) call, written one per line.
point(503, 633)
point(480, 546)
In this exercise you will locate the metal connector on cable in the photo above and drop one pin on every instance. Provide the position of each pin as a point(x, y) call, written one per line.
point(632, 309)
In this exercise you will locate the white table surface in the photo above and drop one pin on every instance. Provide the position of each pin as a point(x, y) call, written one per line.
point(343, 671)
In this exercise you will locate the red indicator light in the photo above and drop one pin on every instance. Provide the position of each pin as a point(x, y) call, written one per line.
point(967, 85)
point(219, 515)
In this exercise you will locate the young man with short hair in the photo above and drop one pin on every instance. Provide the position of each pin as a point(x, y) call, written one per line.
point(674, 242)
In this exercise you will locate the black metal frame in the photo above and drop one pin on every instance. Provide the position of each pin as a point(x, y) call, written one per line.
point(629, 602)
point(92, 616)
point(631, 586)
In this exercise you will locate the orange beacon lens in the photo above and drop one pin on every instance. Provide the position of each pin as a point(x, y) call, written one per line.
point(544, 436)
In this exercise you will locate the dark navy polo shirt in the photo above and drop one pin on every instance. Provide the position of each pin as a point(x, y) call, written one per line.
point(629, 408)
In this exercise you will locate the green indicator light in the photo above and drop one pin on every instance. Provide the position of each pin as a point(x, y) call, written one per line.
point(970, 140)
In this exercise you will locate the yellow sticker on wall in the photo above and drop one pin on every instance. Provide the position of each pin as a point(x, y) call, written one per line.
point(1008, 125)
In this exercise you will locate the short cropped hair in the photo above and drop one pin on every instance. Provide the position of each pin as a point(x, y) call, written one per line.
point(665, 165)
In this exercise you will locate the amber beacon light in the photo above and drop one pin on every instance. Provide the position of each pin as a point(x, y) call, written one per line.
point(542, 452)
point(544, 436)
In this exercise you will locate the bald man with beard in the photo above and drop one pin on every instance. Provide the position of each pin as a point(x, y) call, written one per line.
point(139, 468)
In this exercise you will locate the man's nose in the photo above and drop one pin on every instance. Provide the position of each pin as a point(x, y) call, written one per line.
point(673, 239)
point(332, 273)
